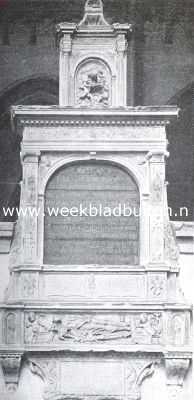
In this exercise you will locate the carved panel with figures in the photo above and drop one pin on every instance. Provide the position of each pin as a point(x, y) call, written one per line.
point(60, 329)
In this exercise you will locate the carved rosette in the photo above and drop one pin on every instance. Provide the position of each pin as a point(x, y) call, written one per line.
point(10, 364)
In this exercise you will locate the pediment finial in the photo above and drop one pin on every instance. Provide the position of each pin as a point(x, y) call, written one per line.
point(94, 5)
point(93, 14)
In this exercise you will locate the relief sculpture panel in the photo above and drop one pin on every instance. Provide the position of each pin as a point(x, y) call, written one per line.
point(142, 328)
point(93, 85)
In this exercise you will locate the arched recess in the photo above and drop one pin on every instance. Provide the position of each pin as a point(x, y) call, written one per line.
point(101, 234)
point(180, 165)
point(41, 90)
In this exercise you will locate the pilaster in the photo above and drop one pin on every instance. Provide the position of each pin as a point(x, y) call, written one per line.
point(29, 206)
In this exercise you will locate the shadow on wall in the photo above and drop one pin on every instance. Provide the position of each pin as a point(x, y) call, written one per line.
point(33, 91)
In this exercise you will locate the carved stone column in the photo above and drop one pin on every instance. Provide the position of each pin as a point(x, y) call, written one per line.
point(176, 370)
point(10, 364)
point(122, 71)
point(157, 187)
point(65, 50)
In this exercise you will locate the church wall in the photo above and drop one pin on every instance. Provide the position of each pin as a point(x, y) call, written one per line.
point(167, 67)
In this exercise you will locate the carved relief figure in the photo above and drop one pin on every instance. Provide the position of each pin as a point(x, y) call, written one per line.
point(178, 330)
point(43, 328)
point(170, 245)
point(11, 328)
point(91, 330)
point(157, 188)
point(36, 325)
point(93, 87)
point(147, 329)
point(29, 285)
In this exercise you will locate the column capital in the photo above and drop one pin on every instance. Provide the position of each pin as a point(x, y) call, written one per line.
point(156, 156)
point(66, 43)
point(30, 156)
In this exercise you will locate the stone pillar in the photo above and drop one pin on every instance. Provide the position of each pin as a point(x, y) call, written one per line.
point(121, 99)
point(64, 75)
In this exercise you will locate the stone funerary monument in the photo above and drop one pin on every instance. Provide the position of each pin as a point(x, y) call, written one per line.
point(94, 308)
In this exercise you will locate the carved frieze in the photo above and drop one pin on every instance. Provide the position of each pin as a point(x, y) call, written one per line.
point(145, 328)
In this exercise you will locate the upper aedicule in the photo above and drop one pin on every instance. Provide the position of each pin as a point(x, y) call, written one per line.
point(93, 60)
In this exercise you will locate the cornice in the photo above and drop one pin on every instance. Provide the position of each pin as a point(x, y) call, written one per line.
point(67, 116)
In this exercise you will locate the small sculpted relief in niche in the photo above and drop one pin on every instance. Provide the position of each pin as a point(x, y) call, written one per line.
point(10, 328)
point(93, 85)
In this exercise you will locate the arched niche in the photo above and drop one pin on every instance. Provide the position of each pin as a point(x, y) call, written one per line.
point(105, 234)
point(93, 84)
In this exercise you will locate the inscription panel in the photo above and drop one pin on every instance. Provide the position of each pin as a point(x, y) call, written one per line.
point(102, 228)
point(95, 378)
point(95, 285)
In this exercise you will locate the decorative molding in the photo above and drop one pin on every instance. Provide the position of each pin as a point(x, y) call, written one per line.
point(65, 116)
point(11, 367)
point(86, 123)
